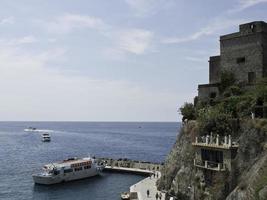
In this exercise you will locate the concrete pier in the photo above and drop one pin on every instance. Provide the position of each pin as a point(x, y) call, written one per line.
point(128, 170)
point(116, 164)
point(138, 191)
point(148, 183)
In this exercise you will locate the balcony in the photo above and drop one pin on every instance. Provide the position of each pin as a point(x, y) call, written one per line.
point(211, 141)
point(209, 165)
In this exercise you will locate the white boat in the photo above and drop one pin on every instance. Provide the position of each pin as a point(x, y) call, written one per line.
point(30, 129)
point(46, 137)
point(68, 170)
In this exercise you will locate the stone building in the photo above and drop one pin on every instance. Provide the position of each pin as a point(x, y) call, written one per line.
point(244, 53)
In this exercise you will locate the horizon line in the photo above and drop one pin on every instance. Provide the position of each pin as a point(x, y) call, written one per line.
point(85, 121)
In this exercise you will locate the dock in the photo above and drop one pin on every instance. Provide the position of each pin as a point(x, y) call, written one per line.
point(148, 183)
point(151, 170)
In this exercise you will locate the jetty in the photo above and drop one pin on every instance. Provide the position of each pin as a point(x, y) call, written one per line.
point(130, 166)
point(147, 184)
point(139, 190)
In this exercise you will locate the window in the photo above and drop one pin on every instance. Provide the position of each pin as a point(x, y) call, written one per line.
point(251, 77)
point(213, 95)
point(87, 167)
point(56, 172)
point(240, 60)
point(78, 169)
point(68, 170)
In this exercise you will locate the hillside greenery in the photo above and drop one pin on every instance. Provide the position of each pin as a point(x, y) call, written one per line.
point(234, 102)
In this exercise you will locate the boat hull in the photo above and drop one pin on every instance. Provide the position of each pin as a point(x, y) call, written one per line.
point(49, 180)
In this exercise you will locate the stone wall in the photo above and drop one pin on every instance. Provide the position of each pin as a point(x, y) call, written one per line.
point(242, 55)
point(214, 69)
point(205, 91)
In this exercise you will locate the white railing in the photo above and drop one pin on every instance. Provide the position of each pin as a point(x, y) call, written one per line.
point(210, 165)
point(215, 140)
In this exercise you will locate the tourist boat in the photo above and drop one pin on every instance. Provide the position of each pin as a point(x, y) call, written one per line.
point(46, 137)
point(68, 170)
point(125, 195)
point(30, 129)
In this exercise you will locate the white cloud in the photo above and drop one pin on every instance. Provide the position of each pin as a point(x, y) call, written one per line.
point(130, 41)
point(33, 91)
point(8, 20)
point(136, 41)
point(218, 24)
point(244, 4)
point(124, 41)
point(69, 22)
point(147, 7)
point(214, 27)
point(25, 40)
point(18, 41)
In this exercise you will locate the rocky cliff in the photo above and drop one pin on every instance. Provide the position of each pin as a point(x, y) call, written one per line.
point(247, 178)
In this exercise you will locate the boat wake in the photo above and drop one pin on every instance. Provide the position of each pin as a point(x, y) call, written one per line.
point(39, 130)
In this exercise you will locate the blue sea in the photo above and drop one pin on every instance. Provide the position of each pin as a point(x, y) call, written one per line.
point(23, 153)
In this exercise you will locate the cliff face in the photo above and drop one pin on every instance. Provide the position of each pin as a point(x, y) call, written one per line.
point(246, 180)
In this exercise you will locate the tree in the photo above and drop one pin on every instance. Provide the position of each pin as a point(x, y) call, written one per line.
point(188, 111)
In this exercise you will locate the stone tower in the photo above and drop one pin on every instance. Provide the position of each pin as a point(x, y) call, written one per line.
point(244, 53)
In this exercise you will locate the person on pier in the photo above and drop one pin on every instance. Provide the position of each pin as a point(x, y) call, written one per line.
point(147, 193)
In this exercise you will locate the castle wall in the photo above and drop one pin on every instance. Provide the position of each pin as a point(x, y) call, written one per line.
point(265, 55)
point(242, 55)
point(214, 69)
point(206, 91)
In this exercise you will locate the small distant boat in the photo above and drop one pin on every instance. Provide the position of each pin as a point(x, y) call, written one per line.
point(125, 196)
point(30, 129)
point(46, 137)
point(68, 170)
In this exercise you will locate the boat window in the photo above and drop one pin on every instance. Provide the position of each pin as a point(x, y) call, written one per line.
point(87, 167)
point(68, 170)
point(78, 169)
point(56, 172)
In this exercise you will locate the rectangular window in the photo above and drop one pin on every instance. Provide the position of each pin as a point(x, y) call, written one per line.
point(87, 167)
point(68, 170)
point(213, 95)
point(78, 169)
point(251, 77)
point(240, 60)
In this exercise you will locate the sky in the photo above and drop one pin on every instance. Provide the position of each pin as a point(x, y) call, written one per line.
point(110, 60)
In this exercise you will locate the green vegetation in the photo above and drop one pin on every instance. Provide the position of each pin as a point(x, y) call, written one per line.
point(235, 101)
point(188, 111)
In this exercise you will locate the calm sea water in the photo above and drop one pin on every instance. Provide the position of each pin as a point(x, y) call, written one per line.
point(23, 153)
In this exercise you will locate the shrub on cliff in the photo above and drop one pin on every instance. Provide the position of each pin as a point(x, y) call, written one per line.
point(188, 111)
point(214, 119)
